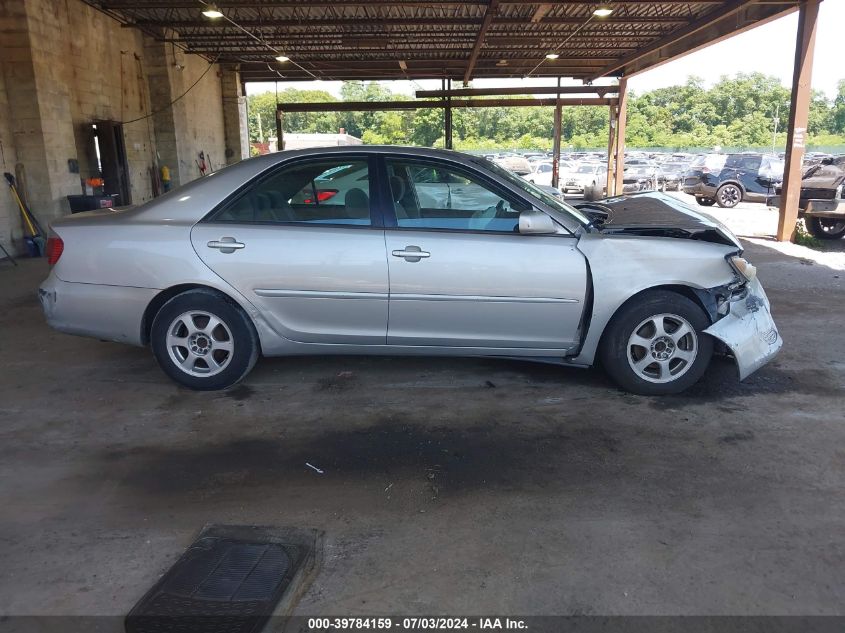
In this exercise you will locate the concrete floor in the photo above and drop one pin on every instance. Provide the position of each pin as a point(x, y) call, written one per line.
point(450, 486)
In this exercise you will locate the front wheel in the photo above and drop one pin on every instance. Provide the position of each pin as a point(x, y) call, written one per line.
point(655, 345)
point(728, 196)
point(825, 228)
point(204, 341)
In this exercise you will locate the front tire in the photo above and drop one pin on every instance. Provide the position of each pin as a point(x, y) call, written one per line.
point(728, 196)
point(655, 345)
point(825, 228)
point(203, 340)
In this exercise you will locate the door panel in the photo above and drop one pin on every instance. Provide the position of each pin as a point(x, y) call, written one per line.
point(314, 284)
point(484, 289)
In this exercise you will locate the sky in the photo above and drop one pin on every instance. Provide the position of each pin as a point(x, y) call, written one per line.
point(769, 49)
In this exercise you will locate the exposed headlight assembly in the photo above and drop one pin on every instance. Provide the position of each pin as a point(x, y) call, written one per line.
point(742, 267)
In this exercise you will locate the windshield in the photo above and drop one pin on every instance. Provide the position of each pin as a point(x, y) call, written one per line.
point(533, 190)
point(587, 169)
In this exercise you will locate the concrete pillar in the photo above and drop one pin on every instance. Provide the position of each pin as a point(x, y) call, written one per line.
point(158, 64)
point(234, 115)
point(42, 127)
point(798, 114)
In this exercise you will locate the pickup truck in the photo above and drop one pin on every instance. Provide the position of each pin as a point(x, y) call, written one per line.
point(822, 201)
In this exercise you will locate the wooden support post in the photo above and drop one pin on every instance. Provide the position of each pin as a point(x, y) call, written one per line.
point(621, 123)
point(611, 152)
point(447, 114)
point(796, 138)
point(556, 142)
point(280, 140)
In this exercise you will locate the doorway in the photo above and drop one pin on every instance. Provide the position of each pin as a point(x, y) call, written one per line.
point(110, 150)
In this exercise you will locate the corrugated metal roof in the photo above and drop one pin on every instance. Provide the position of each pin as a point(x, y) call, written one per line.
point(460, 39)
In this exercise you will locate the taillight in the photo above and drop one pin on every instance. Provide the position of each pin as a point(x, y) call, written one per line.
point(55, 247)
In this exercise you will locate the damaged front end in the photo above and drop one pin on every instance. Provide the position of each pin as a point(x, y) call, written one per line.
point(743, 321)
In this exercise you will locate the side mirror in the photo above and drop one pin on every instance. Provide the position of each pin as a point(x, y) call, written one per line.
point(535, 222)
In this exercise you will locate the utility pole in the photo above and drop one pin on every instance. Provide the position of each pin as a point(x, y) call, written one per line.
point(776, 120)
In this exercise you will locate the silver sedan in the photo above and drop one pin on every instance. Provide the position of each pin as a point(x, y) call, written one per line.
point(406, 251)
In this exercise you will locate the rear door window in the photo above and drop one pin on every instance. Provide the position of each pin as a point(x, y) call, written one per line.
point(333, 192)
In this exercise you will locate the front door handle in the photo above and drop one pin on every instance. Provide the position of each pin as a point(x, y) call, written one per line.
point(411, 253)
point(226, 244)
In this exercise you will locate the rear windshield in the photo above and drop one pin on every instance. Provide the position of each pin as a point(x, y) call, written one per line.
point(710, 161)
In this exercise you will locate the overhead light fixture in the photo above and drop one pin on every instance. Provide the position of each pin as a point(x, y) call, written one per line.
point(552, 55)
point(602, 12)
point(282, 58)
point(211, 11)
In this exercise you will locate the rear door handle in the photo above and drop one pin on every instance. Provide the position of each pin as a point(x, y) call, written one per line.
point(226, 244)
point(411, 253)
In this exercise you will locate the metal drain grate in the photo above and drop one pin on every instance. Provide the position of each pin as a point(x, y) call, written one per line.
point(230, 580)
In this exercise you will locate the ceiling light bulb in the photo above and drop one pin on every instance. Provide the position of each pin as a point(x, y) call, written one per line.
point(211, 11)
point(602, 12)
point(282, 58)
point(552, 56)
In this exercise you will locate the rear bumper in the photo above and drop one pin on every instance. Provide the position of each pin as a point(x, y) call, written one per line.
point(815, 206)
point(749, 331)
point(700, 190)
point(111, 313)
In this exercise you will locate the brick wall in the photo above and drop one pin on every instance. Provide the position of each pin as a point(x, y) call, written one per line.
point(64, 66)
point(10, 223)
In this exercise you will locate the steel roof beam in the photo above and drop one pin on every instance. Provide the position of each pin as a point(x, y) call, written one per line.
point(479, 40)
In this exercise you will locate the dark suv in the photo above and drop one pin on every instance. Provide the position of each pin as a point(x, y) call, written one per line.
point(728, 179)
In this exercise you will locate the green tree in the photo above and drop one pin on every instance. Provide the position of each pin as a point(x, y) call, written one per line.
point(738, 112)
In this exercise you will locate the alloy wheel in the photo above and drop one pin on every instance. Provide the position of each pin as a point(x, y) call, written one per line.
point(662, 348)
point(199, 343)
point(832, 226)
point(729, 196)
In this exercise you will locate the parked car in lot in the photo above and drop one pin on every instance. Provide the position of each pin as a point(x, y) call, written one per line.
point(250, 261)
point(585, 175)
point(638, 178)
point(516, 164)
point(673, 175)
point(542, 174)
point(822, 199)
point(728, 179)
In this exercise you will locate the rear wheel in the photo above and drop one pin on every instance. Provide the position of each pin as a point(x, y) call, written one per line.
point(655, 345)
point(705, 202)
point(825, 228)
point(203, 340)
point(728, 196)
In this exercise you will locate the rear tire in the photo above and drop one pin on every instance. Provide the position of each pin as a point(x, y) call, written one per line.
point(705, 202)
point(204, 341)
point(655, 345)
point(825, 228)
point(728, 196)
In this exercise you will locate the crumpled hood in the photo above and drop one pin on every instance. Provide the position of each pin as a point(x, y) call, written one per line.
point(658, 215)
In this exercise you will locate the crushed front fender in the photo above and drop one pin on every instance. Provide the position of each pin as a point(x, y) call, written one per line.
point(749, 331)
